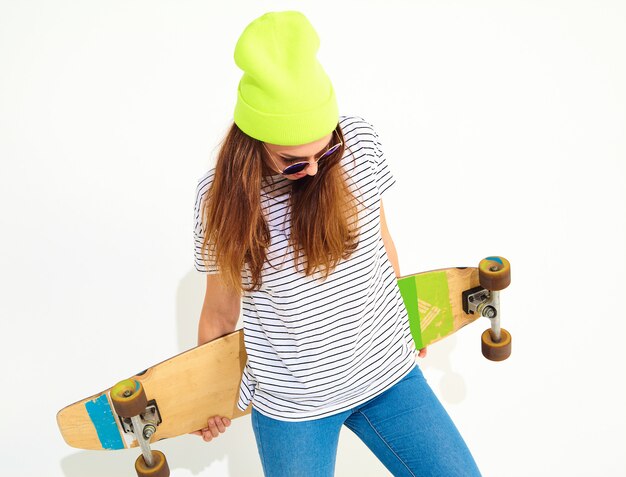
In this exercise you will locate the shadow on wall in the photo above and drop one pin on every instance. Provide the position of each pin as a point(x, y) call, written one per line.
point(233, 454)
point(189, 299)
point(451, 387)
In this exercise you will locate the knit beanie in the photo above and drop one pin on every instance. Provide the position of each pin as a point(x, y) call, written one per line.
point(284, 96)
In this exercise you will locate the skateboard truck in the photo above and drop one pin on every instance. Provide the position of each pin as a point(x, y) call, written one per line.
point(141, 418)
point(150, 419)
point(486, 303)
point(494, 274)
point(143, 427)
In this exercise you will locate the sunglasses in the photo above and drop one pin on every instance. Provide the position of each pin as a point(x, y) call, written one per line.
point(300, 166)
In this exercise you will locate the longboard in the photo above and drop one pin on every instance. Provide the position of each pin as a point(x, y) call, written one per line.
point(187, 389)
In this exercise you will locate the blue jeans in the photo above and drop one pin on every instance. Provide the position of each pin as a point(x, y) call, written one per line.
point(406, 427)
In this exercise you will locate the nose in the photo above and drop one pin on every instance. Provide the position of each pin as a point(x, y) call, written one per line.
point(312, 169)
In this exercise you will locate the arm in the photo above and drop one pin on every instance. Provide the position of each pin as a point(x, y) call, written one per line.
point(390, 248)
point(220, 311)
point(219, 316)
point(389, 245)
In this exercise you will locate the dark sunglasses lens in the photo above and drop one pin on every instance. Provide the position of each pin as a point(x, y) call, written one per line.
point(295, 168)
point(330, 151)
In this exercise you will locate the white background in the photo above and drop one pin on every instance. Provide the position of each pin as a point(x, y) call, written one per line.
point(503, 122)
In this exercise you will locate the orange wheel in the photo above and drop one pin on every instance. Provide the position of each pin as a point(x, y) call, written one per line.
point(494, 273)
point(496, 351)
point(159, 469)
point(129, 398)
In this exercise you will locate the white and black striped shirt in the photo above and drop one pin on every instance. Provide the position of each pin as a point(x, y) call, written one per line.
point(316, 348)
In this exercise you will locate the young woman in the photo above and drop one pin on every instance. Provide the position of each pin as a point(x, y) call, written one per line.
point(290, 228)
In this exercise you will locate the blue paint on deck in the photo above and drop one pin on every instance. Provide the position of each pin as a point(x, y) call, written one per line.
point(104, 421)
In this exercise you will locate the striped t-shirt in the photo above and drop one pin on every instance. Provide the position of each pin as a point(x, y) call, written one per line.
point(316, 348)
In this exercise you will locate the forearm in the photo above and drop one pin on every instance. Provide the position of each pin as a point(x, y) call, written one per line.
point(212, 325)
point(390, 248)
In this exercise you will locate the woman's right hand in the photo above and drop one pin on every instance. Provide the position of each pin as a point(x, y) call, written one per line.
point(215, 426)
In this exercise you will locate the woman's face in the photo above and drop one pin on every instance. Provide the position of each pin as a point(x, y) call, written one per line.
point(286, 155)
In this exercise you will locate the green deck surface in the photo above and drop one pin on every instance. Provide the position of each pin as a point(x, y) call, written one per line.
point(427, 300)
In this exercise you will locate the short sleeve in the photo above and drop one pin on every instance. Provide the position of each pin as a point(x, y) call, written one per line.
point(383, 176)
point(204, 261)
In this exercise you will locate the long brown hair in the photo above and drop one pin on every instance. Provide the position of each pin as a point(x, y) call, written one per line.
point(324, 226)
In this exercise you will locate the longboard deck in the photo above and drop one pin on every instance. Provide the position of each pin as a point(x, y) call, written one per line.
point(188, 388)
point(434, 302)
point(204, 381)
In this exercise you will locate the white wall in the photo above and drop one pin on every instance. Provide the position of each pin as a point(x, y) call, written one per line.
point(503, 121)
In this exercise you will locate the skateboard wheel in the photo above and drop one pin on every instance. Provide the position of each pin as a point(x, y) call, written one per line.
point(496, 351)
point(159, 469)
point(129, 398)
point(494, 273)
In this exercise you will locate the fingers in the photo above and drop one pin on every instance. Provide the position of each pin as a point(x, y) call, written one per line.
point(215, 426)
point(220, 423)
point(422, 353)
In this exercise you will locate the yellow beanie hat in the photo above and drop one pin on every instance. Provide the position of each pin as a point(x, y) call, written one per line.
point(284, 96)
